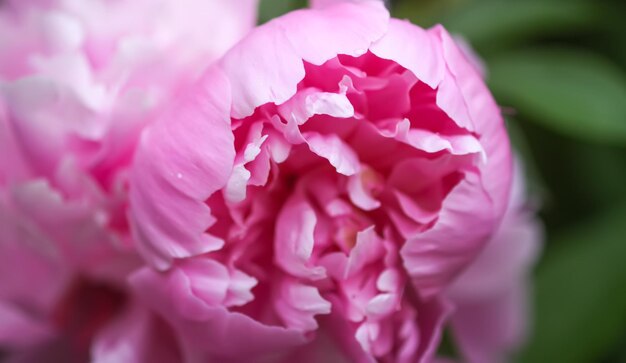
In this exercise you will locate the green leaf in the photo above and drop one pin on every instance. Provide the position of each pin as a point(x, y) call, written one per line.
point(270, 9)
point(580, 294)
point(494, 23)
point(571, 92)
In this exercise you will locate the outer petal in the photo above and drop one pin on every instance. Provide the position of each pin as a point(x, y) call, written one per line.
point(497, 174)
point(490, 296)
point(183, 158)
point(313, 36)
point(486, 331)
point(433, 258)
point(411, 47)
point(210, 331)
point(473, 209)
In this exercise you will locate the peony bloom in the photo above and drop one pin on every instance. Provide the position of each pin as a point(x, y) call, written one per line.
point(490, 297)
point(78, 82)
point(313, 195)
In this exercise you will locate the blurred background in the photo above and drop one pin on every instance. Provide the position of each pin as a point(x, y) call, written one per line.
point(558, 69)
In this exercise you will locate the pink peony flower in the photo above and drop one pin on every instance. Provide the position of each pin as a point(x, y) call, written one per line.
point(490, 297)
point(78, 82)
point(318, 189)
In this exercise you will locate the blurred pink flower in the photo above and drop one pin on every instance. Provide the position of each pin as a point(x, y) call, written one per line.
point(490, 297)
point(78, 82)
point(318, 189)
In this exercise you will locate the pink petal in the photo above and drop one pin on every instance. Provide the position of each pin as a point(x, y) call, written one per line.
point(412, 48)
point(20, 330)
point(433, 258)
point(209, 330)
point(341, 29)
point(297, 304)
point(136, 336)
point(335, 150)
point(184, 158)
point(358, 192)
point(474, 207)
point(368, 248)
point(490, 315)
point(293, 241)
point(488, 330)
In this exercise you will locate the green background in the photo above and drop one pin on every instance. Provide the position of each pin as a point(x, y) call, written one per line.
point(559, 68)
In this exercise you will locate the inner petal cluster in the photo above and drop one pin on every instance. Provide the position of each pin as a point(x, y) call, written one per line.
point(325, 189)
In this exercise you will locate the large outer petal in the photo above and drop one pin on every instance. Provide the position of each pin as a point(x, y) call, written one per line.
point(210, 331)
point(473, 209)
point(267, 65)
point(490, 296)
point(182, 159)
point(487, 331)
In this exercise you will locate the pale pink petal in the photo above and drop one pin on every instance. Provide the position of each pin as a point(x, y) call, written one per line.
point(309, 102)
point(294, 239)
point(432, 142)
point(342, 29)
point(486, 116)
point(358, 189)
point(194, 148)
point(336, 151)
point(368, 248)
point(433, 258)
point(319, 35)
point(411, 47)
point(208, 279)
point(297, 304)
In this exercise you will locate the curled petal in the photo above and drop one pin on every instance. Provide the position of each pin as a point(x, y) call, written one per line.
point(473, 209)
point(294, 238)
point(297, 304)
